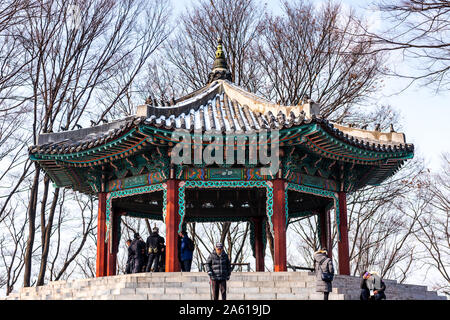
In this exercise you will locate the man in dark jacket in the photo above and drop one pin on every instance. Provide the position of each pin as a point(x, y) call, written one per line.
point(218, 267)
point(138, 248)
point(186, 251)
point(324, 268)
point(130, 259)
point(155, 245)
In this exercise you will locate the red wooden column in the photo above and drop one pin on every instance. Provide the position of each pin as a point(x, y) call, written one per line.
point(172, 221)
point(329, 239)
point(259, 245)
point(343, 252)
point(101, 236)
point(323, 228)
point(279, 225)
point(325, 231)
point(113, 244)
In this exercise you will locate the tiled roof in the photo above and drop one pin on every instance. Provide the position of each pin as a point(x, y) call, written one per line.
point(219, 107)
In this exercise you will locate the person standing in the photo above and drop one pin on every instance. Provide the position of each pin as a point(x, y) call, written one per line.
point(324, 272)
point(186, 251)
point(138, 248)
point(155, 245)
point(130, 259)
point(218, 267)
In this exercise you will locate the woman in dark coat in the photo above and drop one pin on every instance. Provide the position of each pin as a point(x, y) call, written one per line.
point(323, 264)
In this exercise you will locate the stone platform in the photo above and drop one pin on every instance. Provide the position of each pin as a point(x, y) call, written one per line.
point(195, 286)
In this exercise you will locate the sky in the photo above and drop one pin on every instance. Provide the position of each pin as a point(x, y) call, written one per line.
point(424, 114)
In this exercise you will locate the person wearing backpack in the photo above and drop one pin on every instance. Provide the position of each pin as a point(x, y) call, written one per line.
point(323, 266)
point(186, 251)
point(155, 248)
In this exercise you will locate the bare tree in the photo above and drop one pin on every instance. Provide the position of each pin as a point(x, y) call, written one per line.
point(12, 110)
point(419, 29)
point(12, 250)
point(71, 52)
point(434, 235)
point(12, 14)
point(309, 53)
point(190, 50)
point(304, 236)
point(383, 222)
point(60, 268)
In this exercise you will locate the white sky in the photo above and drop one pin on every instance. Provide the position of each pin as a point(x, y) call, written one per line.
point(424, 115)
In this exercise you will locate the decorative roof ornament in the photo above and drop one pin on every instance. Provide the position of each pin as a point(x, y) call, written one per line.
point(220, 66)
point(391, 128)
point(149, 100)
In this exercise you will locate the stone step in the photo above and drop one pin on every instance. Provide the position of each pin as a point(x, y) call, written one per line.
point(195, 285)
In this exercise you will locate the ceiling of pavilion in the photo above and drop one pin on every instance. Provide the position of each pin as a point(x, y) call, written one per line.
point(220, 204)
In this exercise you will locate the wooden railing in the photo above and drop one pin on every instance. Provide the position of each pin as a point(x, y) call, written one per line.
point(295, 268)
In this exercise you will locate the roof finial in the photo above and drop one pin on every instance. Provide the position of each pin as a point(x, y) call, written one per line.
point(220, 66)
point(220, 61)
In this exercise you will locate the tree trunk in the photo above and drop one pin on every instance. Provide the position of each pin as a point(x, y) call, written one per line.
point(43, 206)
point(46, 239)
point(31, 227)
point(225, 229)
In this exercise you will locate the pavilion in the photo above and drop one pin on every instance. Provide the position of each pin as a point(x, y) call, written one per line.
point(127, 164)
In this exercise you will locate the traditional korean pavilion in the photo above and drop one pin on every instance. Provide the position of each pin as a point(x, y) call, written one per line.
point(127, 164)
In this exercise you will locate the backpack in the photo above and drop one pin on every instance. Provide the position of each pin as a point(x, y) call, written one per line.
point(153, 244)
point(326, 276)
point(152, 250)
